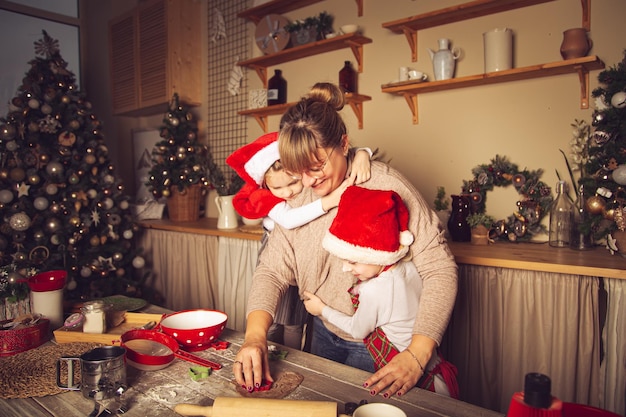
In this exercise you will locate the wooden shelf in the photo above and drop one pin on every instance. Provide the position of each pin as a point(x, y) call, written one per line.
point(410, 25)
point(353, 41)
point(580, 66)
point(255, 14)
point(261, 114)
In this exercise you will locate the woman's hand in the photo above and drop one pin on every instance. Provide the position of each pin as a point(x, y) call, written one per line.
point(313, 303)
point(251, 366)
point(403, 371)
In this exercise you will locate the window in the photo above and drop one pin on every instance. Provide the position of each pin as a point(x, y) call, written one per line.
point(22, 22)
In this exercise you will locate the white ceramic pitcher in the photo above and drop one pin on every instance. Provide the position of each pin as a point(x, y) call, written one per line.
point(227, 218)
point(444, 60)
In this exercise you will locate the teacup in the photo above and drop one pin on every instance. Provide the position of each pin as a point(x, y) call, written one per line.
point(417, 75)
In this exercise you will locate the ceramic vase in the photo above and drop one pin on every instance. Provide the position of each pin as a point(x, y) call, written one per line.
point(576, 43)
point(458, 227)
point(444, 60)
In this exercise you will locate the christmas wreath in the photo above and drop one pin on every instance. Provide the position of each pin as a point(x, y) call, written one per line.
point(534, 203)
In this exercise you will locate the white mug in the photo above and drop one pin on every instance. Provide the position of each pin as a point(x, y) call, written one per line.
point(403, 73)
point(378, 410)
point(417, 75)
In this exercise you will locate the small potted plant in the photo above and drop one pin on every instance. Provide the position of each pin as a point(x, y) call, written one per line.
point(480, 223)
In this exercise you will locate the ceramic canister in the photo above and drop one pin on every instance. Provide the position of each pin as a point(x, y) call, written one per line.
point(498, 45)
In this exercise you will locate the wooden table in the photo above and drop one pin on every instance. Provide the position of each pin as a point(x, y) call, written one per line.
point(156, 393)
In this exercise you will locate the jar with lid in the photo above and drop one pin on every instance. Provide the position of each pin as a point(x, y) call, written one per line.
point(95, 313)
point(347, 78)
point(561, 218)
point(277, 89)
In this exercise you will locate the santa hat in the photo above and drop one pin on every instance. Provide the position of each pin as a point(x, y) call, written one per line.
point(371, 227)
point(252, 161)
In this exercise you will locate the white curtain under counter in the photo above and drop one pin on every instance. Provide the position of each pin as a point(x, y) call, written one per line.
point(532, 308)
point(196, 265)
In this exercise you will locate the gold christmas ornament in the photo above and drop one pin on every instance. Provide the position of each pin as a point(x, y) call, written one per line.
point(595, 204)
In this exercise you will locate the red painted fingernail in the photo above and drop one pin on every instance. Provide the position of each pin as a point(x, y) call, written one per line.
point(385, 395)
point(365, 385)
point(372, 392)
point(257, 385)
point(249, 389)
point(243, 386)
point(399, 393)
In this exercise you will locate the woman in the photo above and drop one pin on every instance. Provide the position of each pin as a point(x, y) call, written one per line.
point(313, 145)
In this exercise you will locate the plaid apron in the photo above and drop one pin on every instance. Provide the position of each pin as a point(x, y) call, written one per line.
point(382, 350)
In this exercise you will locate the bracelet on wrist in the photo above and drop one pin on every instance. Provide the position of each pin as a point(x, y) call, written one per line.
point(416, 360)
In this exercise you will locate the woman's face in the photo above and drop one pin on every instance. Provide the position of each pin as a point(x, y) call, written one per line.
point(328, 172)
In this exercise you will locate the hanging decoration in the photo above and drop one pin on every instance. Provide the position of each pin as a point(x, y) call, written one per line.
point(534, 203)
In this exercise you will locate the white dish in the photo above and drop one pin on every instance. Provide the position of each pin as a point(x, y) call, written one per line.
point(349, 28)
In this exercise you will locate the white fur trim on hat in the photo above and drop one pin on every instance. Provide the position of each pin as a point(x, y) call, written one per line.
point(261, 161)
point(360, 254)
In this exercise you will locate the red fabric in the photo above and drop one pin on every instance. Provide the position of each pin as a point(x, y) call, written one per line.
point(253, 202)
point(380, 347)
point(238, 159)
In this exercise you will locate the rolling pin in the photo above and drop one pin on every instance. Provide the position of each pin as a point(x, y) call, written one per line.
point(259, 407)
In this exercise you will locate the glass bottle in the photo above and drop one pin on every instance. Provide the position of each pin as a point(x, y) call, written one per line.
point(561, 217)
point(458, 227)
point(580, 239)
point(347, 78)
point(277, 89)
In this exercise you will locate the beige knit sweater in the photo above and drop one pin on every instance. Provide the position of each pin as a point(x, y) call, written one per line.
point(296, 257)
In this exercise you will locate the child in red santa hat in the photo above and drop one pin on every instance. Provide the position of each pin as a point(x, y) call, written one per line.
point(265, 194)
point(370, 234)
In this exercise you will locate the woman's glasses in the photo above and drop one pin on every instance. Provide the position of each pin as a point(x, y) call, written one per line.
point(317, 172)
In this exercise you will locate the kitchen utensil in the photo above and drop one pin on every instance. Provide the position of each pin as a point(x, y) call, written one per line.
point(194, 329)
point(150, 350)
point(103, 372)
point(244, 407)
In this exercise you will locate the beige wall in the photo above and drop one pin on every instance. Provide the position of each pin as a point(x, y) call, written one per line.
point(528, 121)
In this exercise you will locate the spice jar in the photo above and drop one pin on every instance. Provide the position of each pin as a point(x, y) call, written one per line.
point(95, 313)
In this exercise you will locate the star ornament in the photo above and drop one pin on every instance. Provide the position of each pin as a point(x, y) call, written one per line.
point(106, 263)
point(22, 190)
point(95, 217)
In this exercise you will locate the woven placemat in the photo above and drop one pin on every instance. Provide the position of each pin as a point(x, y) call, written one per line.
point(33, 373)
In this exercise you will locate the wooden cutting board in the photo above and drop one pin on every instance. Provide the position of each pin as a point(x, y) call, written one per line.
point(131, 321)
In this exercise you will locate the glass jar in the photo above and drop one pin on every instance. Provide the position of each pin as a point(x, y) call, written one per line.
point(95, 313)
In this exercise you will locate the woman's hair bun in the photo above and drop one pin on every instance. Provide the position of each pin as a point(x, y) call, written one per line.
point(328, 93)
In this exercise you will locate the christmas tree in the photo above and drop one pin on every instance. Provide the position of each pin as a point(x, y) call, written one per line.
point(61, 205)
point(179, 160)
point(604, 166)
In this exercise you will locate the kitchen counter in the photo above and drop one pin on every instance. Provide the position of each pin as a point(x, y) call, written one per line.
point(525, 256)
point(156, 393)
